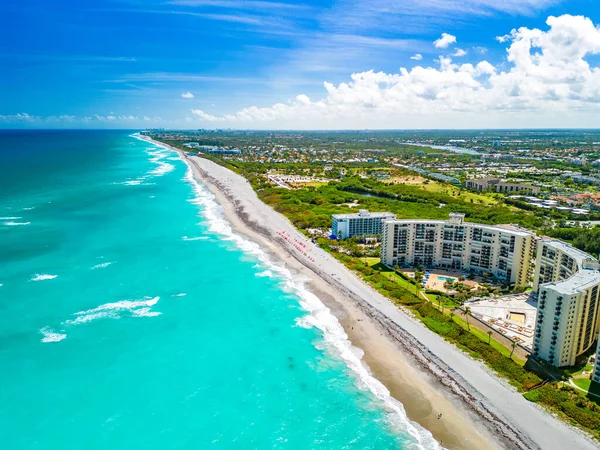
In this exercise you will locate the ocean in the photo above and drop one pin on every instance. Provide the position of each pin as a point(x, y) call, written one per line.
point(132, 317)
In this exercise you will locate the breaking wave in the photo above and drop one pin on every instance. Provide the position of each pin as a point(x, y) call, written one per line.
point(44, 276)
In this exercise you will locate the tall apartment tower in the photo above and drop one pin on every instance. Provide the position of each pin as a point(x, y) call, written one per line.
point(502, 251)
point(362, 223)
point(568, 285)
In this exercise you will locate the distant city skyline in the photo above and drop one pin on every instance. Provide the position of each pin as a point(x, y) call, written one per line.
point(347, 64)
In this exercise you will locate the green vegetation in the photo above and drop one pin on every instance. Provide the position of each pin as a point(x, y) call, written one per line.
point(570, 404)
point(311, 206)
point(446, 325)
point(583, 383)
point(586, 239)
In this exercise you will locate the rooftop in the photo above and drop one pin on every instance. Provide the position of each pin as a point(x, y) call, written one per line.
point(364, 214)
point(578, 255)
point(512, 229)
point(580, 281)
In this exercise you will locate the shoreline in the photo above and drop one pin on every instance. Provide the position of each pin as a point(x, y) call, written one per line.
point(398, 350)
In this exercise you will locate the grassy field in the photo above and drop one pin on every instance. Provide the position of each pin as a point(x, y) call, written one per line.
point(467, 196)
point(583, 383)
point(484, 337)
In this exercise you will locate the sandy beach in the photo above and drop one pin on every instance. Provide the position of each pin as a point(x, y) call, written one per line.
point(425, 373)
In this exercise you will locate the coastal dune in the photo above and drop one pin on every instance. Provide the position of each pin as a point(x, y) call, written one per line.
point(426, 374)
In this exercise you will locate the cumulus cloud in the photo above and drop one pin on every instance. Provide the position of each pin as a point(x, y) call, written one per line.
point(547, 73)
point(19, 117)
point(444, 41)
point(459, 52)
point(187, 95)
point(202, 115)
point(417, 57)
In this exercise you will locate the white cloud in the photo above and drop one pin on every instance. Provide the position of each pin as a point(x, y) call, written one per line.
point(444, 41)
point(19, 117)
point(417, 57)
point(187, 95)
point(459, 52)
point(202, 115)
point(547, 76)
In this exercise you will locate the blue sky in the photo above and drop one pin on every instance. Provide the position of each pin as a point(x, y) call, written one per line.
point(126, 63)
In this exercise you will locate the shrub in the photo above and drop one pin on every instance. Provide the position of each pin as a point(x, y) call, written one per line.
point(434, 292)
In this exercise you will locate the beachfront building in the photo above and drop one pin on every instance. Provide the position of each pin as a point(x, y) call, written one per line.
point(363, 223)
point(502, 251)
point(496, 184)
point(596, 373)
point(557, 261)
point(568, 320)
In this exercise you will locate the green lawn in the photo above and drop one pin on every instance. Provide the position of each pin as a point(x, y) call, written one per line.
point(484, 337)
point(583, 383)
point(456, 192)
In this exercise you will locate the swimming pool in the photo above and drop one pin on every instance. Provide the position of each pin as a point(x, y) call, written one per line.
point(447, 279)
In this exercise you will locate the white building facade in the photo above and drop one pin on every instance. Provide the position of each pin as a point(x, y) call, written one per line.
point(502, 251)
point(363, 223)
point(568, 285)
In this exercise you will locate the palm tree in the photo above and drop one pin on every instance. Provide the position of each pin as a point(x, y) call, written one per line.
point(489, 336)
point(439, 299)
point(419, 279)
point(467, 312)
point(513, 345)
point(451, 316)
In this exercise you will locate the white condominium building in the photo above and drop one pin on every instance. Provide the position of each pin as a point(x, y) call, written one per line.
point(568, 285)
point(363, 223)
point(557, 261)
point(502, 251)
point(596, 373)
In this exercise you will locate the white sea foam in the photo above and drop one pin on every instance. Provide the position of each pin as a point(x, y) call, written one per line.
point(335, 340)
point(137, 308)
point(85, 318)
point(101, 266)
point(122, 305)
point(158, 154)
point(43, 276)
point(145, 312)
point(16, 224)
point(10, 218)
point(181, 294)
point(133, 182)
point(29, 209)
point(265, 273)
point(195, 238)
point(52, 336)
point(162, 169)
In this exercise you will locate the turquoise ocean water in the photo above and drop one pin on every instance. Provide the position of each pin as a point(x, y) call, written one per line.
point(131, 317)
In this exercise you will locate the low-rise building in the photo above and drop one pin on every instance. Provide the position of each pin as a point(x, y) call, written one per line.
point(363, 223)
point(496, 184)
point(502, 251)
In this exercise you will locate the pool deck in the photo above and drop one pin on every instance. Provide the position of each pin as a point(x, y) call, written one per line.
point(437, 279)
point(496, 312)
